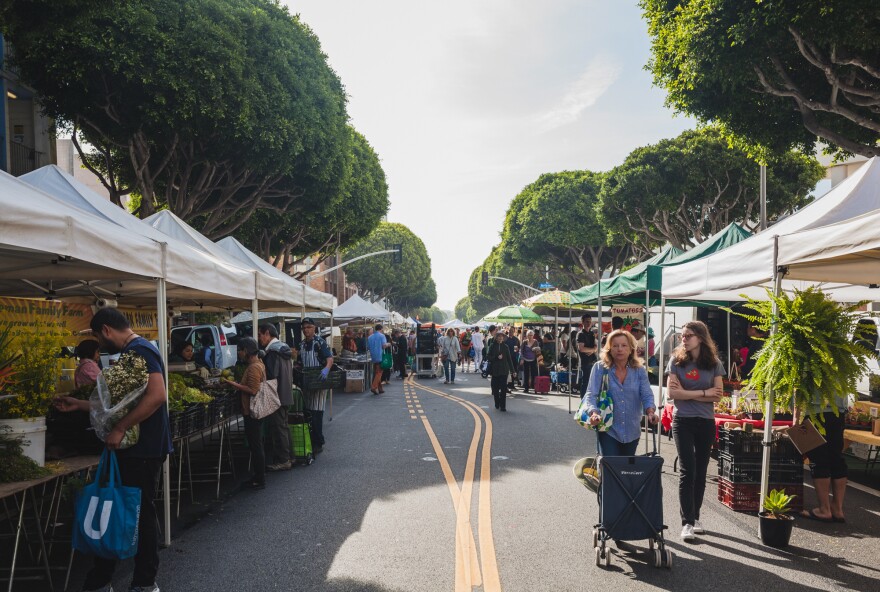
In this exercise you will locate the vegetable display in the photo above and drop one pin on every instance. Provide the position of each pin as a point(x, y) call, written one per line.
point(181, 395)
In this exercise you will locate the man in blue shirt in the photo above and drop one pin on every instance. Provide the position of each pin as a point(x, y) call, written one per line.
point(139, 465)
point(377, 344)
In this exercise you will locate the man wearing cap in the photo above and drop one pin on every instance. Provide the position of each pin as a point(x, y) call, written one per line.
point(313, 353)
point(377, 344)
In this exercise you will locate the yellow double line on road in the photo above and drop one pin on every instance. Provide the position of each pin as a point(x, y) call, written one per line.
point(470, 570)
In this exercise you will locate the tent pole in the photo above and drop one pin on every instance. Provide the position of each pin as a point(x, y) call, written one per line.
point(770, 395)
point(647, 324)
point(162, 328)
point(661, 403)
point(331, 351)
point(255, 314)
point(729, 347)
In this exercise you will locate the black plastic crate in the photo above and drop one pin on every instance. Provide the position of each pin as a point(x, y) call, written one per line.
point(309, 379)
point(745, 497)
point(735, 470)
point(741, 444)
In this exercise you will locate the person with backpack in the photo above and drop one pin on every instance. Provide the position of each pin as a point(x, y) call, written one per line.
point(465, 342)
point(278, 360)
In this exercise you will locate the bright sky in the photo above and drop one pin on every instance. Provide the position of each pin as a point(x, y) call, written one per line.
point(466, 102)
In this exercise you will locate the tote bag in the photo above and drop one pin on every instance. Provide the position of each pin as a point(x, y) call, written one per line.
point(605, 406)
point(266, 401)
point(387, 360)
point(106, 514)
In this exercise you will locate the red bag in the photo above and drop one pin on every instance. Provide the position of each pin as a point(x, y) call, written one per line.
point(542, 384)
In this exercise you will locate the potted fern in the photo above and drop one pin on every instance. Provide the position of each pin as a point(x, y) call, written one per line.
point(810, 360)
point(776, 524)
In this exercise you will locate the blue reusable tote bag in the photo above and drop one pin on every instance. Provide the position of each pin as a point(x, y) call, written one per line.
point(106, 514)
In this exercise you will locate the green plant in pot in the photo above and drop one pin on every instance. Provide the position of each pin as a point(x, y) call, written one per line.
point(776, 524)
point(810, 361)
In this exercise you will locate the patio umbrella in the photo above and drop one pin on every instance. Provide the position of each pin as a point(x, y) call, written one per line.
point(554, 299)
point(513, 314)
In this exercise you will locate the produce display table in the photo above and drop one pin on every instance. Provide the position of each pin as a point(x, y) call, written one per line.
point(43, 497)
point(666, 416)
point(864, 437)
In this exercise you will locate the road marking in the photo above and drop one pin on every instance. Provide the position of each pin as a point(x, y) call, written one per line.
point(491, 578)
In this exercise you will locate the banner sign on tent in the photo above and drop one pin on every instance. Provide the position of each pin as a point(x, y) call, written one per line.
point(143, 322)
point(26, 315)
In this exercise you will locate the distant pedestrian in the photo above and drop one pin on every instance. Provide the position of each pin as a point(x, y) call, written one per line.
point(254, 376)
point(500, 367)
point(377, 344)
point(450, 351)
point(512, 343)
point(314, 353)
point(465, 342)
point(529, 359)
point(400, 347)
point(278, 361)
point(478, 345)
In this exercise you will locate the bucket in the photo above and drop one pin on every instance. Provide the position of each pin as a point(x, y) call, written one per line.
point(32, 432)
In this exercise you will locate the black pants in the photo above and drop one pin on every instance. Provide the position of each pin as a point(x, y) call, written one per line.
point(279, 436)
point(827, 460)
point(317, 424)
point(142, 473)
point(530, 371)
point(693, 442)
point(499, 391)
point(253, 431)
point(400, 365)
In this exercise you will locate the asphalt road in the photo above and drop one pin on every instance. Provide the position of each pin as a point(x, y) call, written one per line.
point(386, 507)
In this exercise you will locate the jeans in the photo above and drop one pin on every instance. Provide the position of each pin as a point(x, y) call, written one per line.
point(449, 370)
point(610, 446)
point(499, 391)
point(279, 436)
point(530, 371)
point(478, 357)
point(586, 370)
point(693, 443)
point(377, 377)
point(253, 431)
point(142, 473)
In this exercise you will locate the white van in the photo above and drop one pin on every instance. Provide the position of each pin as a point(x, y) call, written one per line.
point(218, 341)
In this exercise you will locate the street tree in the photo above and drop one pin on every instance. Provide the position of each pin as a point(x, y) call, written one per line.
point(207, 107)
point(378, 277)
point(463, 310)
point(554, 221)
point(776, 74)
point(324, 219)
point(482, 299)
point(683, 190)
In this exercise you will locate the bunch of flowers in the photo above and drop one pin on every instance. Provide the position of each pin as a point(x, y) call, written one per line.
point(118, 391)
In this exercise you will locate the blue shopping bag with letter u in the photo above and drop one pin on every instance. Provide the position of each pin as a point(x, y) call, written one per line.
point(107, 513)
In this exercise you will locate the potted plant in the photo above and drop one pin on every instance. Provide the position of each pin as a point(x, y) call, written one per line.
point(29, 388)
point(776, 524)
point(809, 361)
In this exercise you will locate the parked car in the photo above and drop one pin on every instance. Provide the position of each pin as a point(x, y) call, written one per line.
point(212, 343)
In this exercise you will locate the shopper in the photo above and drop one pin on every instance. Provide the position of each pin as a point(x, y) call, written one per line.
point(512, 343)
point(630, 394)
point(254, 376)
point(587, 350)
point(478, 345)
point(400, 355)
point(140, 464)
point(500, 367)
point(87, 370)
point(348, 342)
point(529, 358)
point(616, 325)
point(386, 372)
point(450, 351)
point(314, 353)
point(694, 385)
point(278, 360)
point(465, 358)
point(377, 344)
point(827, 465)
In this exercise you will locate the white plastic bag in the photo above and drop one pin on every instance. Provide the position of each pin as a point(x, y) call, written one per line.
point(105, 417)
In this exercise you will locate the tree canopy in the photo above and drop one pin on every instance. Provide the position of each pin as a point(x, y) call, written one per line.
point(212, 108)
point(685, 189)
point(322, 221)
point(776, 74)
point(378, 277)
point(554, 221)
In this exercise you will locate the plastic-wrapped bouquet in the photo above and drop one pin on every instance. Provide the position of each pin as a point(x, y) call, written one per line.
point(118, 391)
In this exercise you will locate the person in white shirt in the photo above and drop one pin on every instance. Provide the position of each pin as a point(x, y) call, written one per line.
point(477, 343)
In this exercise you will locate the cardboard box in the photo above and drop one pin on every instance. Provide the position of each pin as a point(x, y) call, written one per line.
point(354, 385)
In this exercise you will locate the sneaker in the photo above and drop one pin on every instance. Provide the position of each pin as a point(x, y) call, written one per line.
point(698, 527)
point(153, 588)
point(283, 466)
point(687, 532)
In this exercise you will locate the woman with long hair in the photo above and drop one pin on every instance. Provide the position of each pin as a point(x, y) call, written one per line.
point(529, 359)
point(694, 385)
point(630, 393)
point(450, 350)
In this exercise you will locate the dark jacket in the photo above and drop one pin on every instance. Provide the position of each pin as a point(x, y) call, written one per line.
point(279, 366)
point(501, 367)
point(402, 347)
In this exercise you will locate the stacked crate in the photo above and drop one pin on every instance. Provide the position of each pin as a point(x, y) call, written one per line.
point(739, 469)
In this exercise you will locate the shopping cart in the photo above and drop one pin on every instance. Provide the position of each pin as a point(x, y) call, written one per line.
point(630, 496)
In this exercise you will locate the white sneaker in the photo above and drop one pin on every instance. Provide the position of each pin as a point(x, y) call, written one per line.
point(698, 527)
point(687, 532)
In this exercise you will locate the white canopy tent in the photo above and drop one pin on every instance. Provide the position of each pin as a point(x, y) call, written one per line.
point(195, 279)
point(848, 251)
point(358, 308)
point(456, 324)
point(747, 267)
point(313, 299)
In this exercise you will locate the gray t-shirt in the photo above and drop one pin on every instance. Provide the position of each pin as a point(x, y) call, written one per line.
point(692, 378)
